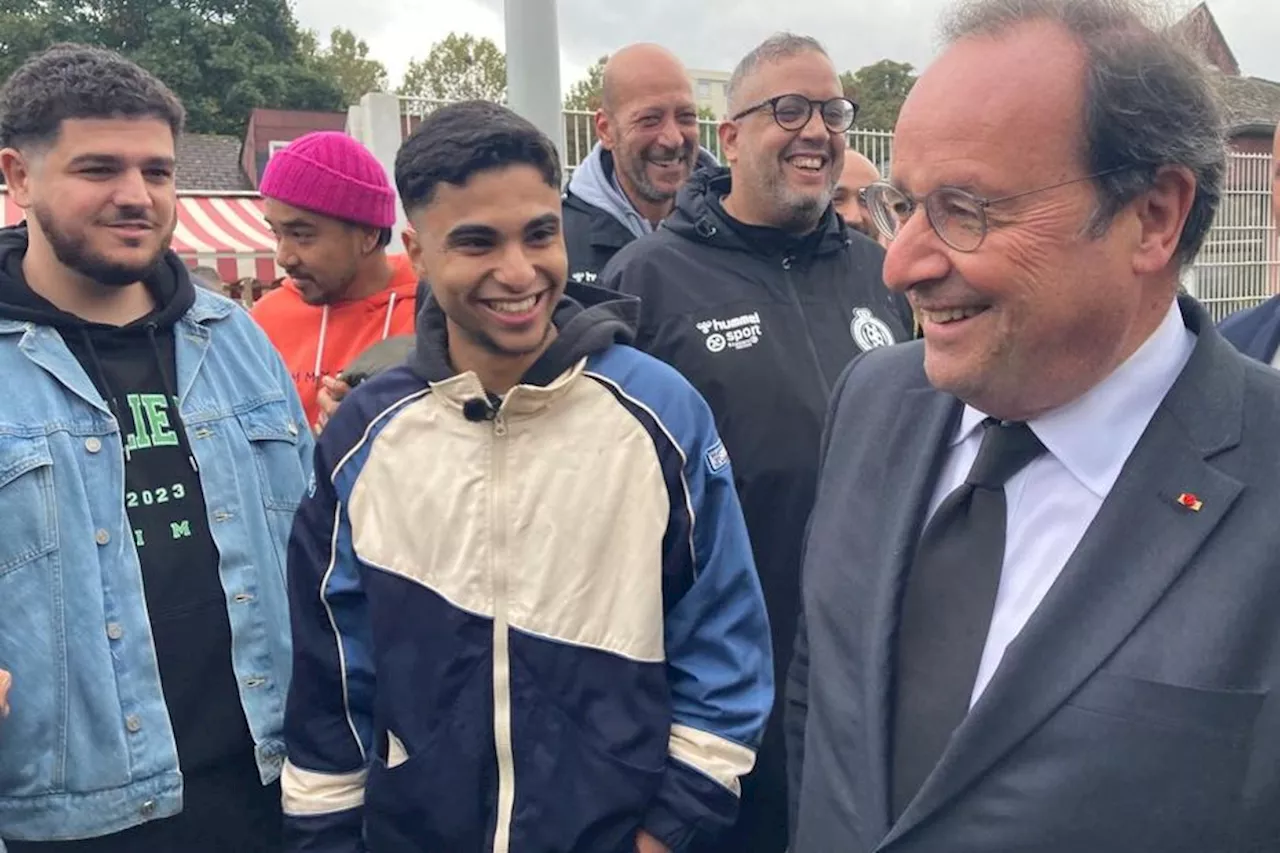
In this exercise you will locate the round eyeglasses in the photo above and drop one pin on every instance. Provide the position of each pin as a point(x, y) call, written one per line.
point(957, 216)
point(792, 112)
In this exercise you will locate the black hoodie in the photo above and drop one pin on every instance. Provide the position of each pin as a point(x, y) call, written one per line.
point(762, 322)
point(133, 368)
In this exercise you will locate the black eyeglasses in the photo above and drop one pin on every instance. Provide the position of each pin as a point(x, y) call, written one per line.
point(792, 112)
point(957, 216)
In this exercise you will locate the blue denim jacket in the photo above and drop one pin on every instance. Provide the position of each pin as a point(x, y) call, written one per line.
point(87, 749)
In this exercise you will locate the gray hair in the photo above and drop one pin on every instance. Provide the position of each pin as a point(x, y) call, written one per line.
point(775, 48)
point(1149, 101)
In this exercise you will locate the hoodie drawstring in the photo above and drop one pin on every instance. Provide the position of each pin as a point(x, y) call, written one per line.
point(391, 307)
point(324, 331)
point(324, 327)
point(171, 391)
point(112, 403)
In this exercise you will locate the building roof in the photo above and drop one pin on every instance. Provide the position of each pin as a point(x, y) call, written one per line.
point(1201, 30)
point(1250, 104)
point(211, 163)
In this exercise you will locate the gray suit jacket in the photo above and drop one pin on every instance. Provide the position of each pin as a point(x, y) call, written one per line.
point(1137, 712)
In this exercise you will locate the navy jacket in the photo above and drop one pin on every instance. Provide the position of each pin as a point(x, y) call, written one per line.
point(1255, 332)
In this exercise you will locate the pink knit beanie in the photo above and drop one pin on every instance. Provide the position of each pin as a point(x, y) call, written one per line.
point(330, 173)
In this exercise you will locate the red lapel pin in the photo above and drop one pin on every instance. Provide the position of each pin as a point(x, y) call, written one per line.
point(1190, 501)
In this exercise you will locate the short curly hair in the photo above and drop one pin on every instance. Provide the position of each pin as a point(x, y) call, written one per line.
point(458, 140)
point(75, 81)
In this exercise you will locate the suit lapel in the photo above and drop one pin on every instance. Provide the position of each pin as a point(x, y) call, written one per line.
point(1138, 545)
point(921, 439)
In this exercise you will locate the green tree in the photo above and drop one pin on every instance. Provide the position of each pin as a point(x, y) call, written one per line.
point(587, 94)
point(347, 61)
point(461, 67)
point(879, 89)
point(223, 58)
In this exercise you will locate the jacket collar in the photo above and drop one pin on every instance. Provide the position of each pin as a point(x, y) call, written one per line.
point(523, 401)
point(209, 307)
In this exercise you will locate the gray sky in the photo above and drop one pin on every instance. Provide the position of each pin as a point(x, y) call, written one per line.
point(713, 34)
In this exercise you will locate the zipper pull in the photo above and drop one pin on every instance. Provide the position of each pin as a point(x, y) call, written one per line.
point(786, 262)
point(499, 425)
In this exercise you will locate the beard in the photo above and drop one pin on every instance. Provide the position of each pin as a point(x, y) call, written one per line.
point(74, 252)
point(800, 214)
point(793, 211)
point(634, 166)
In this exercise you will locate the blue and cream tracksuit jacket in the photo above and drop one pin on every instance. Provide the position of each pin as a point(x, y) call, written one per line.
point(527, 625)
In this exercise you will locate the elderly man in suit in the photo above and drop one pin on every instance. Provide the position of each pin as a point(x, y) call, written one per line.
point(1041, 576)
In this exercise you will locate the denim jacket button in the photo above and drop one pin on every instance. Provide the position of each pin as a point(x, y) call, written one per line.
point(92, 444)
point(114, 631)
point(102, 537)
point(132, 723)
point(148, 808)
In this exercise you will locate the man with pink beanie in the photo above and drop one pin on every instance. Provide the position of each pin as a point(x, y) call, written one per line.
point(332, 208)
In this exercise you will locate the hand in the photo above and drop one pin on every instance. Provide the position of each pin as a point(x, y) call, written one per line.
point(646, 843)
point(5, 681)
point(331, 393)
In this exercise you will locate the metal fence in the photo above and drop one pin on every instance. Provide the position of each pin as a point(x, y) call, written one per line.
point(1238, 267)
point(414, 110)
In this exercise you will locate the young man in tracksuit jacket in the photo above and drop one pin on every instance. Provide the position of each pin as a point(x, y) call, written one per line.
point(526, 618)
point(757, 292)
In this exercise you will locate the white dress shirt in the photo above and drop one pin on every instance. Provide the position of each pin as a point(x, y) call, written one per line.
point(1054, 499)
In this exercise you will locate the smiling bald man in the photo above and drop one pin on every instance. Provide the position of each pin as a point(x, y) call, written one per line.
point(647, 125)
point(857, 173)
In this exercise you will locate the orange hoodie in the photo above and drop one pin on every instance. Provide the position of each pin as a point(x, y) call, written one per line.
point(320, 341)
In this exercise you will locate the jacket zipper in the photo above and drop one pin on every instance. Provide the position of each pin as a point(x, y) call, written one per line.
point(787, 261)
point(501, 648)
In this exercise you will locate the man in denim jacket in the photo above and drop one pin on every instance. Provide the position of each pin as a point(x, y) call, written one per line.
point(152, 455)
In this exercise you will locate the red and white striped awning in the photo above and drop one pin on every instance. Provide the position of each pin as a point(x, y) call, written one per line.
point(227, 232)
point(224, 231)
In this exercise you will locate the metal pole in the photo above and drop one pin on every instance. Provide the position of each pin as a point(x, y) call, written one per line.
point(533, 65)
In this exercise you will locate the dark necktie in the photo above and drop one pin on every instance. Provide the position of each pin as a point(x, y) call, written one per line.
point(947, 604)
